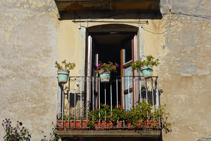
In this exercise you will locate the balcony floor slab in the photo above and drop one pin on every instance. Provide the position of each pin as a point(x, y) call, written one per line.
point(108, 133)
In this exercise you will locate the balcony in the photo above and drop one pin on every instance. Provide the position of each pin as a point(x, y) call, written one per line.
point(84, 95)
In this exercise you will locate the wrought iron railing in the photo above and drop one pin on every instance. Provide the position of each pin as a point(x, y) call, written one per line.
point(80, 95)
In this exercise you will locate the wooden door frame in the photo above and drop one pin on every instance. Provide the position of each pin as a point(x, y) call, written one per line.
point(127, 64)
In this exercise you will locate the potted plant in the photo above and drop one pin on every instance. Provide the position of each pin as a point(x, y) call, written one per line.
point(105, 69)
point(145, 65)
point(138, 117)
point(63, 70)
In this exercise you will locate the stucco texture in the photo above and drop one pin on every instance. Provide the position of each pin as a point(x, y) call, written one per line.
point(184, 72)
point(32, 39)
point(28, 50)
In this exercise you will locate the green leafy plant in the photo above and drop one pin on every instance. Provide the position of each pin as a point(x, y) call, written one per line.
point(147, 61)
point(17, 133)
point(64, 65)
point(118, 113)
point(136, 116)
point(53, 135)
point(104, 112)
point(139, 114)
point(106, 67)
point(164, 118)
point(90, 124)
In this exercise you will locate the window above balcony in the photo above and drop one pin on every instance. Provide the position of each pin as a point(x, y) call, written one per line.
point(72, 5)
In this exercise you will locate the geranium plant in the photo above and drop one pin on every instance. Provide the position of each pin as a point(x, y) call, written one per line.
point(106, 67)
point(148, 60)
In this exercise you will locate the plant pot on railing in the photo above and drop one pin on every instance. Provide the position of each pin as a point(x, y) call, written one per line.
point(63, 76)
point(105, 70)
point(63, 70)
point(146, 71)
point(145, 65)
point(105, 77)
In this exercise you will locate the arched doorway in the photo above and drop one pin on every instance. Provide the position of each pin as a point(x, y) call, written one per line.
point(116, 43)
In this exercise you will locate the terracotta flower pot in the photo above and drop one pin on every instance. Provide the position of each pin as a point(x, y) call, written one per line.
point(73, 125)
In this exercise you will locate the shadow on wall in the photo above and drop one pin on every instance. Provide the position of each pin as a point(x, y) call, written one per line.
point(138, 11)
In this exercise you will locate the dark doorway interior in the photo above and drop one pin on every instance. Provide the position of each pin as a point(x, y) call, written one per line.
point(108, 48)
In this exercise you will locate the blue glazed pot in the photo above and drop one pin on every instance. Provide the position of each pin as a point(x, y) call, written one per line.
point(146, 71)
point(63, 76)
point(105, 77)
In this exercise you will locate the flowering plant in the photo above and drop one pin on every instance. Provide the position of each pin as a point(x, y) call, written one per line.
point(106, 67)
point(16, 133)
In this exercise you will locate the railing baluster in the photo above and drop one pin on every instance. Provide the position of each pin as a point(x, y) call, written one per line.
point(93, 102)
point(117, 98)
point(99, 98)
point(105, 101)
point(140, 92)
point(87, 101)
point(81, 99)
point(153, 102)
point(158, 101)
point(111, 98)
point(134, 90)
point(128, 86)
point(69, 102)
point(146, 98)
point(74, 102)
point(123, 99)
point(62, 104)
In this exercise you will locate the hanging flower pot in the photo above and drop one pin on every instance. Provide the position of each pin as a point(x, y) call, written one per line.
point(145, 65)
point(105, 77)
point(63, 76)
point(146, 71)
point(63, 70)
point(105, 69)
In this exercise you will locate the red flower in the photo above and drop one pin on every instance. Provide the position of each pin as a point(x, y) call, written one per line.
point(76, 138)
point(122, 106)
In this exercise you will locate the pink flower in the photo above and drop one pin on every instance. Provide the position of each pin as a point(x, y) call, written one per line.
point(98, 64)
point(117, 65)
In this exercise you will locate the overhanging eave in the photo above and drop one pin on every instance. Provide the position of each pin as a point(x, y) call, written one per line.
point(73, 5)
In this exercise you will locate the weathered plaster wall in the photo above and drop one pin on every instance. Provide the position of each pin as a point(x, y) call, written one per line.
point(28, 50)
point(71, 41)
point(184, 73)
